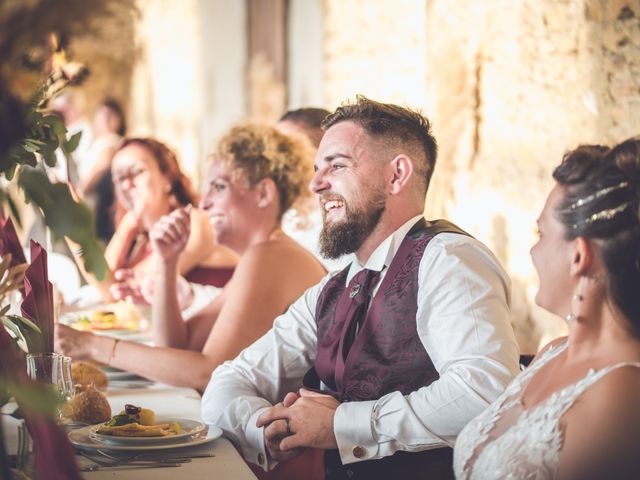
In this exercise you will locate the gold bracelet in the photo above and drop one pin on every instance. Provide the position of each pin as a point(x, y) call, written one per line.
point(113, 350)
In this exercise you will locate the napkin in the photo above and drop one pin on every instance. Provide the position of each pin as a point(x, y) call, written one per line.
point(9, 242)
point(54, 457)
point(37, 305)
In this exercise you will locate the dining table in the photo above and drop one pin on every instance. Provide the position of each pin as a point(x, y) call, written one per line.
point(216, 458)
point(206, 454)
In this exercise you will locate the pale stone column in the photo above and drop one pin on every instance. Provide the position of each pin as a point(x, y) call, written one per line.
point(188, 84)
point(305, 51)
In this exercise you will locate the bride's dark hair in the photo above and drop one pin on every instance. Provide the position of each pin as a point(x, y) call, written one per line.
point(601, 202)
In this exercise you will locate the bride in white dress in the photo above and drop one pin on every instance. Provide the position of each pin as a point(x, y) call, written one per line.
point(575, 413)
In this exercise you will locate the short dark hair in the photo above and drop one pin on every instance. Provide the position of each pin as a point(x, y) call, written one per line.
point(393, 123)
point(310, 121)
point(601, 202)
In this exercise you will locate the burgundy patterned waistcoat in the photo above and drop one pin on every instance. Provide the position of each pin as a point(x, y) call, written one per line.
point(387, 354)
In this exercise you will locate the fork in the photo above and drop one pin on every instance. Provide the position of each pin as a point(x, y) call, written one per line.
point(146, 457)
point(95, 468)
point(172, 457)
point(126, 462)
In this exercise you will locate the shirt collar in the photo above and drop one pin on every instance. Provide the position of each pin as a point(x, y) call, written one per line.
point(384, 253)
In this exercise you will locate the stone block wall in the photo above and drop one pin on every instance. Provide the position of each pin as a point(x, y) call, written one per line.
point(375, 48)
point(512, 86)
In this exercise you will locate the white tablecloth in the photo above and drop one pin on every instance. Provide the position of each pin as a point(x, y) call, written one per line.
point(165, 401)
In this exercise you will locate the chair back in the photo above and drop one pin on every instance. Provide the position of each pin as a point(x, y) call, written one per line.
point(525, 359)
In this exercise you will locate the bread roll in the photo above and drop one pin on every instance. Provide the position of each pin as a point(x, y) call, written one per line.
point(87, 373)
point(89, 406)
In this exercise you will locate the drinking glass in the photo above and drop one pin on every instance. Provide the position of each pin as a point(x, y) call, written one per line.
point(45, 368)
point(67, 387)
point(54, 370)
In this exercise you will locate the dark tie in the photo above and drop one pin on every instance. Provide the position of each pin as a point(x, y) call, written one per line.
point(358, 298)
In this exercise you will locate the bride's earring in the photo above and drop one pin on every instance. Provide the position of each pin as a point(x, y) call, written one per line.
point(571, 316)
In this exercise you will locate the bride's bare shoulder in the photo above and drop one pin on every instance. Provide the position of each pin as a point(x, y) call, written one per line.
point(602, 429)
point(618, 390)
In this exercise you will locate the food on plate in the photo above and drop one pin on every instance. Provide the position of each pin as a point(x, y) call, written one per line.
point(88, 406)
point(117, 316)
point(88, 373)
point(137, 422)
point(127, 314)
point(133, 414)
point(137, 430)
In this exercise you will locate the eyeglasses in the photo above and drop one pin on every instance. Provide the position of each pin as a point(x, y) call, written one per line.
point(121, 177)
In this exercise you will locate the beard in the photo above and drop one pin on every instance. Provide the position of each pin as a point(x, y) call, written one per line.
point(348, 235)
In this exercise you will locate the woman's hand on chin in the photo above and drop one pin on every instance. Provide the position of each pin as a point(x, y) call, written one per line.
point(170, 234)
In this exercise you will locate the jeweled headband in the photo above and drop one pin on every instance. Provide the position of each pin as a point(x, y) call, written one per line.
point(600, 193)
point(607, 214)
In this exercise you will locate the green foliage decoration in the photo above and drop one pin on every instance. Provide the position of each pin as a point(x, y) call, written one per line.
point(64, 216)
point(29, 136)
point(27, 158)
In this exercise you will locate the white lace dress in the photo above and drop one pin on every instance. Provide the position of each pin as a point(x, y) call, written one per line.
point(527, 443)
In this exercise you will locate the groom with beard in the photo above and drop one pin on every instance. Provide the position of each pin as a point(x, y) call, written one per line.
point(382, 364)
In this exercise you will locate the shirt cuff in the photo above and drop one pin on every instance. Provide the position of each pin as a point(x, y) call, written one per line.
point(255, 438)
point(354, 435)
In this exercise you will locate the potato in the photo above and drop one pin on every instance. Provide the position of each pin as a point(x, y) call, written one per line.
point(143, 416)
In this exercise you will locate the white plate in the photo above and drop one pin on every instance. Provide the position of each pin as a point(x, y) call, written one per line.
point(188, 428)
point(71, 319)
point(81, 438)
point(120, 375)
point(115, 375)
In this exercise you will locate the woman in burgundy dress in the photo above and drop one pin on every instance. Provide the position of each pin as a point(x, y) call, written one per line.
point(256, 174)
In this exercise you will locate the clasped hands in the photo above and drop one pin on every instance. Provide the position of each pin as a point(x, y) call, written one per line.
point(299, 421)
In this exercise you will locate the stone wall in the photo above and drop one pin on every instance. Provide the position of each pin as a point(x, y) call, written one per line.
point(107, 48)
point(512, 86)
point(375, 48)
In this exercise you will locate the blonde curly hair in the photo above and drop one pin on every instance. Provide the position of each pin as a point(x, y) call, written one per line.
point(260, 151)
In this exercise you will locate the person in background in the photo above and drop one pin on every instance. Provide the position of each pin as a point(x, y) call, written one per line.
point(305, 223)
point(395, 353)
point(304, 121)
point(70, 107)
point(256, 175)
point(574, 413)
point(94, 170)
point(149, 184)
